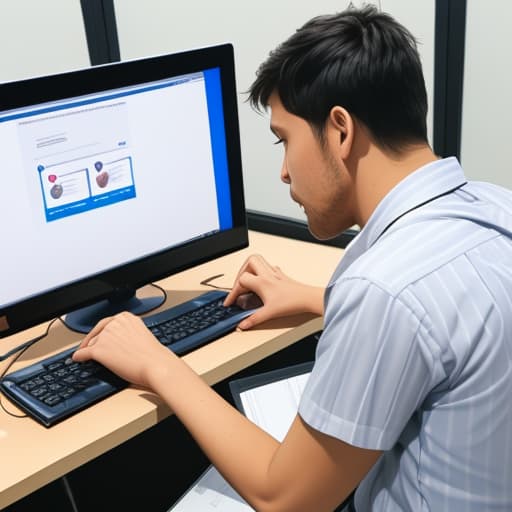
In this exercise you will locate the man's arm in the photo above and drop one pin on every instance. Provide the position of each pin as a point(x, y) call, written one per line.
point(307, 471)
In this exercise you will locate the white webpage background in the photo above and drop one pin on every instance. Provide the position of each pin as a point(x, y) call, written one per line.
point(64, 143)
point(169, 141)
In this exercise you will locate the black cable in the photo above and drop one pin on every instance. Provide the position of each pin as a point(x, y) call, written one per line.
point(20, 349)
point(29, 343)
point(69, 492)
point(207, 282)
point(164, 292)
point(23, 346)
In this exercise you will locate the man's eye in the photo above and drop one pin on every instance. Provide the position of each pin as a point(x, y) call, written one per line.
point(279, 141)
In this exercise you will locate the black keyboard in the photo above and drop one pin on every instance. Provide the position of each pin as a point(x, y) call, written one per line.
point(57, 387)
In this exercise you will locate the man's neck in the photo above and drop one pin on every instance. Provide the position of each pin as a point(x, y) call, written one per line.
point(378, 172)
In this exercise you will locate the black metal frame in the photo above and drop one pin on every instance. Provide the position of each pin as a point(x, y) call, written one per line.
point(101, 31)
point(293, 228)
point(449, 76)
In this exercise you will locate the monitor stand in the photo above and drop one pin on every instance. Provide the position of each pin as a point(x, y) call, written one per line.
point(137, 302)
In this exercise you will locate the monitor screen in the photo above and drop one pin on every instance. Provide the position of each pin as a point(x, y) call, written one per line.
point(113, 177)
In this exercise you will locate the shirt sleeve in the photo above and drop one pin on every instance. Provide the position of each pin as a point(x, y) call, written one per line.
point(373, 366)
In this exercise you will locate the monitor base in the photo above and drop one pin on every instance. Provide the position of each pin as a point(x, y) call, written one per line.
point(84, 319)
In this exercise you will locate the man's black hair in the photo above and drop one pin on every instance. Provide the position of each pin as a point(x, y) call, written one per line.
point(360, 59)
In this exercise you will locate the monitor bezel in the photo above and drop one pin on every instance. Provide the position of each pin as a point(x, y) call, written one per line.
point(47, 305)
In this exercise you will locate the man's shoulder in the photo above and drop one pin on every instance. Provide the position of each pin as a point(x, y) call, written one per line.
point(417, 250)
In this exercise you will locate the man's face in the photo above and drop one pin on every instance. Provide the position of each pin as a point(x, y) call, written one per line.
point(318, 179)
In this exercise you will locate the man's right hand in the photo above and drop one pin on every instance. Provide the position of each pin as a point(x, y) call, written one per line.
point(260, 284)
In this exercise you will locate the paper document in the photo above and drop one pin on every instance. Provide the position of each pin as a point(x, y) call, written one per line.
point(211, 492)
point(272, 404)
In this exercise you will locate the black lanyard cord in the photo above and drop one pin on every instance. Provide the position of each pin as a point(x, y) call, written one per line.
point(420, 205)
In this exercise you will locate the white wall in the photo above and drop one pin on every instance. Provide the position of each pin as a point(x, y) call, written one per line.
point(487, 97)
point(159, 26)
point(41, 37)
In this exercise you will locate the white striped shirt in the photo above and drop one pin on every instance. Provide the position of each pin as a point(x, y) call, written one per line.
point(416, 354)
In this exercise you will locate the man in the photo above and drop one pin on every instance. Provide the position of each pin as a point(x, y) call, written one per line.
point(409, 400)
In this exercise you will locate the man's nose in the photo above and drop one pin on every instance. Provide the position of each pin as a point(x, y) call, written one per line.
point(285, 177)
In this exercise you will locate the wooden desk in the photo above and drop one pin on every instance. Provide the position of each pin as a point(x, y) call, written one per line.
point(33, 455)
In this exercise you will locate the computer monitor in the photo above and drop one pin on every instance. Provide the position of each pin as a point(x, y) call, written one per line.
point(113, 177)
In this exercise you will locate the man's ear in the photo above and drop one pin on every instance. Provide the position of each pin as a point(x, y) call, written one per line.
point(341, 128)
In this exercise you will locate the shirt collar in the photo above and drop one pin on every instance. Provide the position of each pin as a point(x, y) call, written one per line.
point(421, 186)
